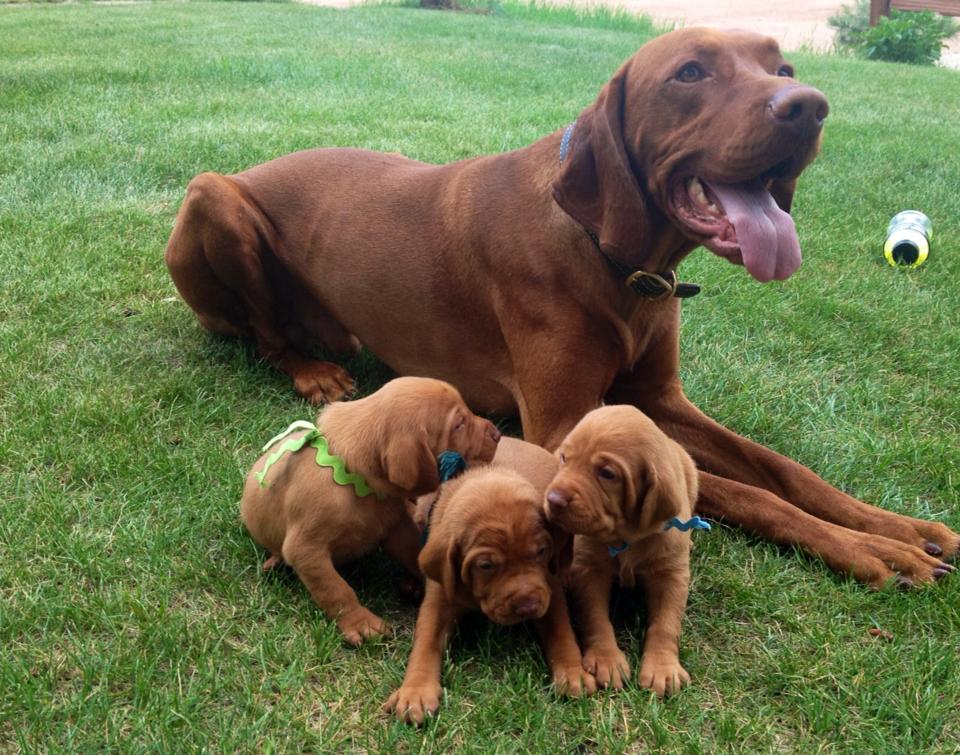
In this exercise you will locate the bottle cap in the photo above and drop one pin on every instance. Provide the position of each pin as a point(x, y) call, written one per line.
point(906, 248)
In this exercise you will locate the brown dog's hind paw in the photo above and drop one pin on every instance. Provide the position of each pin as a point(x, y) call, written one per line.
point(609, 667)
point(322, 382)
point(413, 703)
point(664, 676)
point(359, 624)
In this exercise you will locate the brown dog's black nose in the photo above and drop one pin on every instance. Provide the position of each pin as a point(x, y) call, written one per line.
point(557, 500)
point(802, 107)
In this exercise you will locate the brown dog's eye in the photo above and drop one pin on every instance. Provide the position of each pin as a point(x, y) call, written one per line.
point(563, 459)
point(785, 71)
point(690, 73)
point(607, 473)
point(486, 566)
point(541, 551)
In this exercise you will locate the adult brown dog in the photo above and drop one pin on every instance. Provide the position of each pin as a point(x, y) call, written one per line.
point(489, 547)
point(620, 481)
point(390, 438)
point(505, 275)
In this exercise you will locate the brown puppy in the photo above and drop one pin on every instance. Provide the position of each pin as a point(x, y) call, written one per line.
point(542, 281)
point(489, 547)
point(620, 481)
point(391, 439)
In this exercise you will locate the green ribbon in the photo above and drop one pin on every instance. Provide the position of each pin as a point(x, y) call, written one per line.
point(315, 439)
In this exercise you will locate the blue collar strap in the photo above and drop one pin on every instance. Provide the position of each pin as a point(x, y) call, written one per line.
point(315, 439)
point(693, 523)
point(450, 464)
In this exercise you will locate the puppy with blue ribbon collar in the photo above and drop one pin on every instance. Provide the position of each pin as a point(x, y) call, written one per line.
point(627, 492)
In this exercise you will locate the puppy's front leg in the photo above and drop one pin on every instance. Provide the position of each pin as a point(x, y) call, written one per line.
point(602, 657)
point(660, 668)
point(560, 646)
point(329, 590)
point(403, 544)
point(419, 695)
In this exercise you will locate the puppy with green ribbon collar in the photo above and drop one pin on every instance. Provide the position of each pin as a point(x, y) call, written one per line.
point(326, 493)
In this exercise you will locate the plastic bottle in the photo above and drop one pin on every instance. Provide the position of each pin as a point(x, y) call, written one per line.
point(908, 239)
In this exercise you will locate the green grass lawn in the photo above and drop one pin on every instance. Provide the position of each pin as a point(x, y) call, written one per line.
point(133, 615)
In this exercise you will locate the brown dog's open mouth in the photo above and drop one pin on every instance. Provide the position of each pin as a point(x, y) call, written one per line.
point(740, 222)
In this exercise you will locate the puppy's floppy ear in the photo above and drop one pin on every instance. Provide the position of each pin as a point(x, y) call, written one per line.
point(409, 464)
point(670, 481)
point(597, 186)
point(440, 561)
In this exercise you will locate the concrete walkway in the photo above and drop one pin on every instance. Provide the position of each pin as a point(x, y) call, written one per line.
point(795, 24)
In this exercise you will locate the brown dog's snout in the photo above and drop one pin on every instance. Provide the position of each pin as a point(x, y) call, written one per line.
point(804, 108)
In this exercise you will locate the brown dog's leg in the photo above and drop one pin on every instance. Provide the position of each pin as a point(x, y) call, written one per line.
point(217, 256)
point(666, 594)
point(602, 657)
point(560, 646)
point(762, 471)
point(330, 591)
point(403, 544)
point(870, 558)
point(419, 695)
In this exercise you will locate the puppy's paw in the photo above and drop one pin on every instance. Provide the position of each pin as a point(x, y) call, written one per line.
point(412, 703)
point(359, 624)
point(609, 666)
point(573, 681)
point(663, 674)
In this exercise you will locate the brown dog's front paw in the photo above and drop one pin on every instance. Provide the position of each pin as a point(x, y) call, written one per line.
point(879, 561)
point(412, 703)
point(939, 540)
point(663, 675)
point(573, 681)
point(322, 382)
point(609, 666)
point(359, 624)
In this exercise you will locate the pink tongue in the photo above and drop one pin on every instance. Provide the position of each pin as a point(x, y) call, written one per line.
point(766, 234)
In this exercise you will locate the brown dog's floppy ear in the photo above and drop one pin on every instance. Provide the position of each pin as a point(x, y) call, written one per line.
point(597, 186)
point(440, 561)
point(409, 464)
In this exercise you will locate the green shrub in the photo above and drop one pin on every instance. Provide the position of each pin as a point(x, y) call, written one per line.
point(903, 37)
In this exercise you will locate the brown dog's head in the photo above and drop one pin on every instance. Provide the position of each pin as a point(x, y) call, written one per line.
point(697, 139)
point(404, 426)
point(489, 545)
point(620, 478)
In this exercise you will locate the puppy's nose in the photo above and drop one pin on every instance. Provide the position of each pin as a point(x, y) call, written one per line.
point(526, 606)
point(800, 107)
point(557, 499)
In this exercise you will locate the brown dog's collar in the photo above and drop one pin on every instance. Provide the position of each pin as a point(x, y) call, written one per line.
point(654, 286)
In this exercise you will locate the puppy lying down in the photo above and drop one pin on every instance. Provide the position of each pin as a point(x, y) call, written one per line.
point(489, 547)
point(620, 485)
point(324, 496)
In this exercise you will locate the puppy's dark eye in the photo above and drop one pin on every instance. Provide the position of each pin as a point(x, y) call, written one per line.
point(541, 551)
point(691, 72)
point(607, 473)
point(785, 71)
point(563, 459)
point(487, 566)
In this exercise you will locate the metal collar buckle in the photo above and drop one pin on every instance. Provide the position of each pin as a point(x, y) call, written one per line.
point(653, 285)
